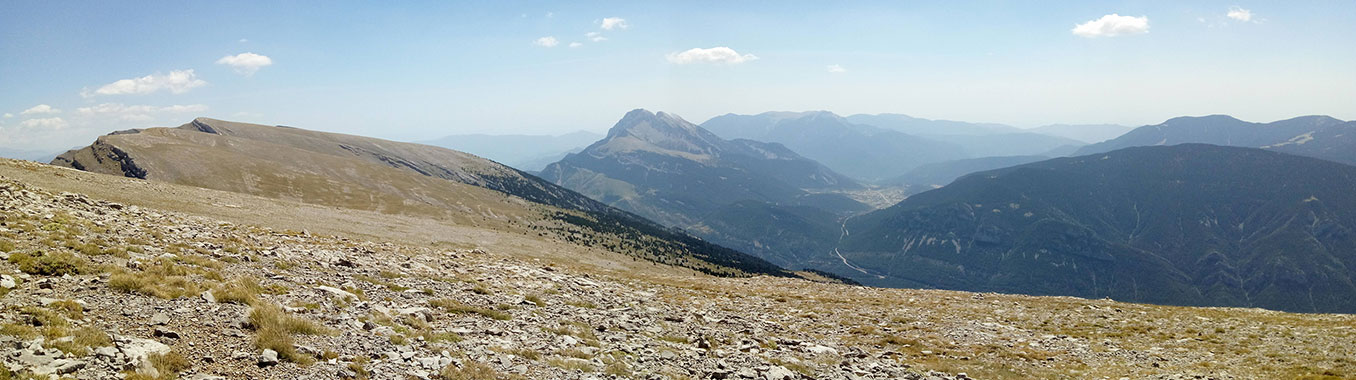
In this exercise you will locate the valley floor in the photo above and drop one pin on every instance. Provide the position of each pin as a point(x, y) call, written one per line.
point(161, 286)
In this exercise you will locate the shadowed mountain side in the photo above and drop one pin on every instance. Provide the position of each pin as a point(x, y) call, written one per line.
point(1187, 225)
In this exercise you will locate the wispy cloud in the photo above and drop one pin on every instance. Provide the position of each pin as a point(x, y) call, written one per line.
point(246, 63)
point(1240, 14)
point(50, 123)
point(719, 55)
point(576, 44)
point(611, 23)
point(176, 82)
point(836, 69)
point(548, 41)
point(139, 113)
point(41, 109)
point(1112, 25)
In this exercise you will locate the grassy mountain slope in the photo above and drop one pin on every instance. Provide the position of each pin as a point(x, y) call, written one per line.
point(390, 177)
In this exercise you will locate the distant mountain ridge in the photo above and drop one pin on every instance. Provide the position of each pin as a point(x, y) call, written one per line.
point(1313, 136)
point(1188, 224)
point(858, 151)
point(919, 126)
point(524, 152)
point(1086, 133)
point(879, 147)
point(31, 155)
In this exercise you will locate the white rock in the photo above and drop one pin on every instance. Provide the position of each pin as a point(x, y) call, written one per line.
point(818, 349)
point(268, 358)
point(779, 373)
point(138, 352)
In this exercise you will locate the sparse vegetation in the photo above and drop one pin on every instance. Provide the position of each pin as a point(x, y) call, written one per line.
point(535, 299)
point(243, 290)
point(471, 370)
point(456, 307)
point(274, 329)
point(165, 279)
point(51, 263)
point(572, 365)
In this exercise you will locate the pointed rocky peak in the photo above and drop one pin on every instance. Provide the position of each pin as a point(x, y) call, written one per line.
point(640, 119)
point(660, 133)
point(203, 124)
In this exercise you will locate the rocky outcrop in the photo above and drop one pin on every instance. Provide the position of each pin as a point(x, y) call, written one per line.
point(102, 157)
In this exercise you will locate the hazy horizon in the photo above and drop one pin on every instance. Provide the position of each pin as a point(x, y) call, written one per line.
point(419, 72)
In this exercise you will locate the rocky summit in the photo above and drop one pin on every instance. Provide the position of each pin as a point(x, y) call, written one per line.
point(97, 289)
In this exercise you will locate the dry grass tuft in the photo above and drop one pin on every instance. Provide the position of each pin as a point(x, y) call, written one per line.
point(57, 263)
point(456, 307)
point(274, 328)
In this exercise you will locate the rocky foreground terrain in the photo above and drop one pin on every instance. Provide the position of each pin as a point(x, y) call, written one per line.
point(94, 289)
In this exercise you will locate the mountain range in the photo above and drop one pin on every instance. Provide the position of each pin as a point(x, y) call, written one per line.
point(679, 174)
point(878, 147)
point(1252, 225)
point(859, 151)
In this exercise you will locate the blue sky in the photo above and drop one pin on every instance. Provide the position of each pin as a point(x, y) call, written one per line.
point(417, 71)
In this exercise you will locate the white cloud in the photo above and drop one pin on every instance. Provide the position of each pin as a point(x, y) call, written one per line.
point(548, 41)
point(1240, 14)
point(177, 82)
point(613, 23)
point(41, 109)
point(595, 36)
point(246, 63)
point(575, 44)
point(550, 14)
point(244, 40)
point(836, 69)
point(719, 54)
point(140, 113)
point(1112, 25)
point(8, 115)
point(50, 123)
